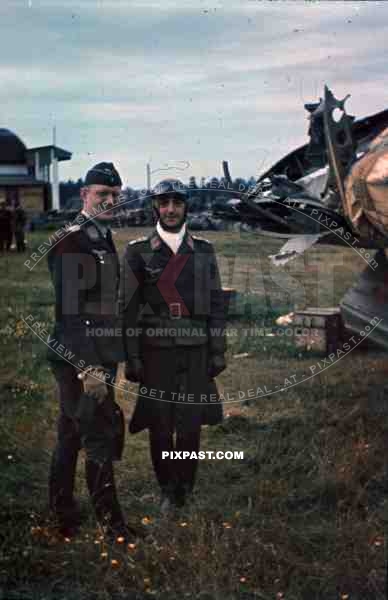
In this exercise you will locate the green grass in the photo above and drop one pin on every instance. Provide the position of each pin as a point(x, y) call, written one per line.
point(303, 516)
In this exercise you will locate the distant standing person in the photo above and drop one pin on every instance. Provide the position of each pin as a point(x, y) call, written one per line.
point(5, 228)
point(20, 221)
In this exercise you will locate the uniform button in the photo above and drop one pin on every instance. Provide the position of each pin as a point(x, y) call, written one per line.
point(87, 322)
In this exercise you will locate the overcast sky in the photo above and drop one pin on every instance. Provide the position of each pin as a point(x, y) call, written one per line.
point(184, 82)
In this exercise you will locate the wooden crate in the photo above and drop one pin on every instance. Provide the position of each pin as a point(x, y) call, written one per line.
point(317, 329)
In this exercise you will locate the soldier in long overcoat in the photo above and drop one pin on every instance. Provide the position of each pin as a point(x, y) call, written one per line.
point(174, 334)
point(5, 227)
point(85, 350)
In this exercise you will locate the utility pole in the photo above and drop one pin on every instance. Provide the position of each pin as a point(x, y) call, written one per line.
point(148, 176)
point(54, 179)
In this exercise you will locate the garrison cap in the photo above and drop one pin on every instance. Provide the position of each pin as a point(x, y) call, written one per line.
point(173, 187)
point(103, 173)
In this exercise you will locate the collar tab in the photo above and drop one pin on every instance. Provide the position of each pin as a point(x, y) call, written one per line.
point(155, 242)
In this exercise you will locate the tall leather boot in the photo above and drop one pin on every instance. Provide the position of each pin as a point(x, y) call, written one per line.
point(162, 441)
point(186, 468)
point(102, 490)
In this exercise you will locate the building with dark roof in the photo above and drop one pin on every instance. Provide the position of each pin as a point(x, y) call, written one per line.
point(29, 176)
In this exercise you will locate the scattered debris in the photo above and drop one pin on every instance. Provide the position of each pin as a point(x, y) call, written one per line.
point(242, 355)
point(296, 246)
point(285, 319)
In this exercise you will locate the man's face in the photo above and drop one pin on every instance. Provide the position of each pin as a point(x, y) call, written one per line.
point(99, 200)
point(171, 212)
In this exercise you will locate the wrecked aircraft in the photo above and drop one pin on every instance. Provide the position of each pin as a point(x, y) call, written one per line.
point(332, 190)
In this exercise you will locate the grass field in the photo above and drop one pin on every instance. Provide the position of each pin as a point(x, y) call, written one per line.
point(302, 516)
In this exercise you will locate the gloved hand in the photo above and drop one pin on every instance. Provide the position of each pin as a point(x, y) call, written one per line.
point(134, 369)
point(216, 365)
point(93, 380)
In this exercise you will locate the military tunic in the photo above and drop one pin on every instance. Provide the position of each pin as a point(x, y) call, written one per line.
point(85, 270)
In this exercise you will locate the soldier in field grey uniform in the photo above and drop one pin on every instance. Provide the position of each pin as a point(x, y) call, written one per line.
point(85, 271)
point(173, 319)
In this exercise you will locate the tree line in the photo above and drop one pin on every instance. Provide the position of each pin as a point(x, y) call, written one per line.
point(202, 195)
